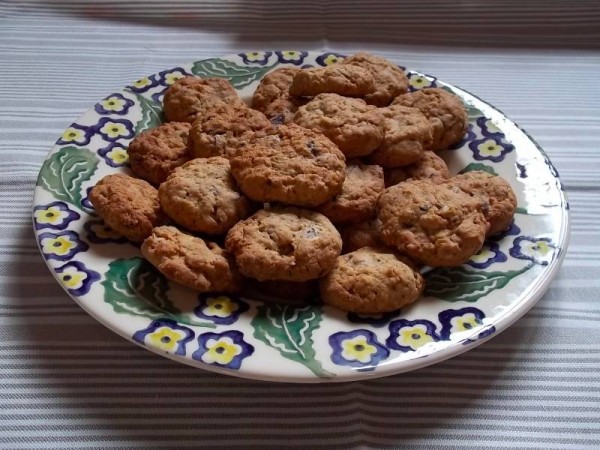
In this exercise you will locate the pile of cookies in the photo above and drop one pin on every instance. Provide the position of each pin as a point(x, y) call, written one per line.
point(331, 179)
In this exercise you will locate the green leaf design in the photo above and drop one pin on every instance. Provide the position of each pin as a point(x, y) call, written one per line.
point(238, 76)
point(521, 210)
point(474, 113)
point(133, 286)
point(65, 171)
point(479, 166)
point(152, 114)
point(289, 329)
point(456, 284)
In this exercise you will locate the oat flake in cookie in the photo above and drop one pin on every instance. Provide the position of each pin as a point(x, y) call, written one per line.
point(272, 96)
point(430, 167)
point(347, 80)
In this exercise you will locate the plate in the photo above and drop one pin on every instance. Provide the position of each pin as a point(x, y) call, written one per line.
point(246, 337)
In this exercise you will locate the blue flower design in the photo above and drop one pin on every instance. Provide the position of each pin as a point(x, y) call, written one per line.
point(260, 58)
point(464, 319)
point(76, 134)
point(227, 349)
point(97, 232)
point(222, 309)
point(143, 84)
point(417, 81)
point(489, 129)
point(168, 77)
point(55, 215)
point(291, 56)
point(468, 137)
point(307, 66)
point(61, 246)
point(492, 149)
point(115, 154)
point(113, 104)
point(328, 58)
point(375, 320)
point(166, 335)
point(409, 335)
point(537, 250)
point(114, 129)
point(513, 230)
point(489, 254)
point(85, 201)
point(357, 348)
point(76, 278)
point(158, 96)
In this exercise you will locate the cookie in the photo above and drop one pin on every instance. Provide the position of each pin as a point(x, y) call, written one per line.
point(499, 197)
point(154, 153)
point(190, 96)
point(362, 234)
point(191, 261)
point(272, 96)
point(222, 130)
point(292, 165)
point(436, 224)
point(289, 244)
point(406, 133)
point(390, 80)
point(371, 281)
point(445, 112)
point(128, 205)
point(347, 80)
point(354, 126)
point(202, 196)
point(430, 167)
point(357, 199)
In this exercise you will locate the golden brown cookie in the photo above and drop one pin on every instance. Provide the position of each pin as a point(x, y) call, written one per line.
point(191, 261)
point(190, 96)
point(292, 165)
point(284, 244)
point(362, 234)
point(128, 205)
point(202, 196)
point(436, 224)
point(499, 197)
point(347, 80)
point(371, 281)
point(406, 133)
point(223, 129)
point(430, 167)
point(359, 194)
point(390, 80)
point(272, 96)
point(154, 153)
point(354, 126)
point(444, 110)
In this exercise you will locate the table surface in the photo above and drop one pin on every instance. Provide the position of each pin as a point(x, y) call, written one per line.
point(68, 382)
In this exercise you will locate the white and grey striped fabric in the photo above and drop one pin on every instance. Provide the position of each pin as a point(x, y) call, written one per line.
point(67, 382)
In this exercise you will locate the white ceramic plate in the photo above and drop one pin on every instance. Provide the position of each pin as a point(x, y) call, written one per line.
point(246, 337)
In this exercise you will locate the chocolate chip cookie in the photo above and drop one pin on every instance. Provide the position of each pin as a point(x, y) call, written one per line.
point(445, 112)
point(362, 234)
point(284, 244)
point(390, 80)
point(292, 165)
point(406, 133)
point(347, 80)
point(436, 224)
point(202, 196)
point(154, 153)
point(224, 129)
point(357, 199)
point(430, 167)
point(354, 126)
point(371, 281)
point(191, 261)
point(272, 96)
point(128, 205)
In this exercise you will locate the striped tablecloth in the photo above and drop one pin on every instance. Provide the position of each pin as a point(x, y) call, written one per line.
point(68, 382)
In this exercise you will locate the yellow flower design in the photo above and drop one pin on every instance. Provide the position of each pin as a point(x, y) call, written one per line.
point(171, 78)
point(358, 349)
point(72, 278)
point(490, 148)
point(103, 231)
point(165, 339)
point(419, 81)
point(255, 56)
point(118, 155)
point(114, 130)
point(332, 59)
point(142, 82)
point(59, 246)
point(414, 337)
point(220, 306)
point(465, 322)
point(491, 127)
point(483, 256)
point(113, 104)
point(51, 216)
point(73, 135)
point(221, 351)
point(290, 54)
point(540, 247)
